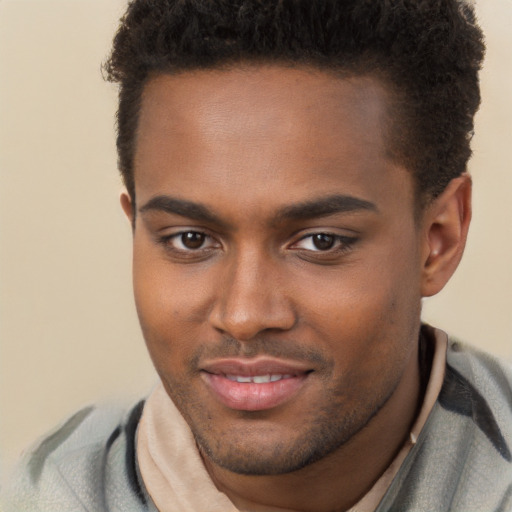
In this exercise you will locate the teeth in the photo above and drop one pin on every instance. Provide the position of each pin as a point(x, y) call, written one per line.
point(257, 379)
point(261, 379)
point(239, 378)
point(273, 378)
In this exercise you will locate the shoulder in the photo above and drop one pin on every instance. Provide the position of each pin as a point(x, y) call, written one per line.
point(477, 363)
point(477, 384)
point(464, 451)
point(87, 463)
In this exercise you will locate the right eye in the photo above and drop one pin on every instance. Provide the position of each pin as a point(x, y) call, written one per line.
point(188, 243)
point(189, 240)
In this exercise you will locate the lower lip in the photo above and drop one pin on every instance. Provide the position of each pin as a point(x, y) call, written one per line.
point(253, 397)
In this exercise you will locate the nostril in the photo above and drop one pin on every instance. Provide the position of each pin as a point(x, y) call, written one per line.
point(250, 297)
point(248, 323)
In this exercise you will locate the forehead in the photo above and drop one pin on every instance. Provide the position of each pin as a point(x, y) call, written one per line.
point(248, 132)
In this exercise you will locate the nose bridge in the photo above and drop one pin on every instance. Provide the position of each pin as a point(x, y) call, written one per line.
point(252, 296)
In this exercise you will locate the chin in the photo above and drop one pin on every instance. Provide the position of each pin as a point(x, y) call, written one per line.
point(267, 450)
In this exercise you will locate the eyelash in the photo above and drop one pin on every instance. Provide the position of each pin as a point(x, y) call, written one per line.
point(167, 240)
point(341, 245)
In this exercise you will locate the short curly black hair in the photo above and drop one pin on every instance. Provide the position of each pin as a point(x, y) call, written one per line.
point(428, 52)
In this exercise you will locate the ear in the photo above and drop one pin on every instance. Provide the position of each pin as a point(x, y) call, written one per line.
point(127, 206)
point(446, 224)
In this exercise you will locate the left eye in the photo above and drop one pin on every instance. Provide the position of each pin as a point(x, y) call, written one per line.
point(321, 242)
point(190, 241)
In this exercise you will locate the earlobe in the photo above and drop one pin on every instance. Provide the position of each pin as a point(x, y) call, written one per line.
point(446, 226)
point(127, 205)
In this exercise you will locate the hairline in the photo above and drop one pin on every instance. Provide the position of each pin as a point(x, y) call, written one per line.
point(361, 69)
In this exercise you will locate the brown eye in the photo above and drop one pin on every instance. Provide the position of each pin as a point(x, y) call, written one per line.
point(189, 246)
point(323, 241)
point(324, 247)
point(193, 239)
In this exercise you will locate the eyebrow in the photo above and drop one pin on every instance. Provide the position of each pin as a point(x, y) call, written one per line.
point(325, 206)
point(321, 207)
point(182, 207)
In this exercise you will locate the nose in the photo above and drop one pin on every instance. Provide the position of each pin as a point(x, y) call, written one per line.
point(252, 298)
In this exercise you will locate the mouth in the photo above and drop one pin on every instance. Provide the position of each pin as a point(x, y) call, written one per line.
point(258, 379)
point(254, 385)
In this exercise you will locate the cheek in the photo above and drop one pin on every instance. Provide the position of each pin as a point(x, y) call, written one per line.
point(366, 311)
point(361, 293)
point(170, 304)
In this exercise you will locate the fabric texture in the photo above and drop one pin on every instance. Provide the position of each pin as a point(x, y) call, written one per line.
point(86, 464)
point(461, 461)
point(171, 466)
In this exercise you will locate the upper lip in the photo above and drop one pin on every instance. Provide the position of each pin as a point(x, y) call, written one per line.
point(255, 366)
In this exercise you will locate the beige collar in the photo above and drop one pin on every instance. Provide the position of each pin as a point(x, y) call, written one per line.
point(173, 471)
point(370, 500)
point(169, 462)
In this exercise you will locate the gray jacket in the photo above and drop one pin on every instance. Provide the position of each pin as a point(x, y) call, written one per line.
point(462, 461)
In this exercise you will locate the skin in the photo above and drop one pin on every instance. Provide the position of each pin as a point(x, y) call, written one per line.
point(245, 162)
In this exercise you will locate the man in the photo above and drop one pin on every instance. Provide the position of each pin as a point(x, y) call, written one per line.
point(296, 182)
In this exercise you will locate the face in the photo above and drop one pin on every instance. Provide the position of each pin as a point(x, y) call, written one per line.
point(276, 259)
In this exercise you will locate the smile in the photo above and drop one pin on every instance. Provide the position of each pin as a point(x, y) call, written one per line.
point(254, 385)
point(257, 379)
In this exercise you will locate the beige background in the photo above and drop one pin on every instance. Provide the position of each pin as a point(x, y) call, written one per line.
point(69, 333)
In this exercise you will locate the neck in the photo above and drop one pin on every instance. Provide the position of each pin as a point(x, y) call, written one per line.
point(339, 480)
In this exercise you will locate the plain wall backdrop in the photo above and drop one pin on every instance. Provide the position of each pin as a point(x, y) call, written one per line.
point(68, 328)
